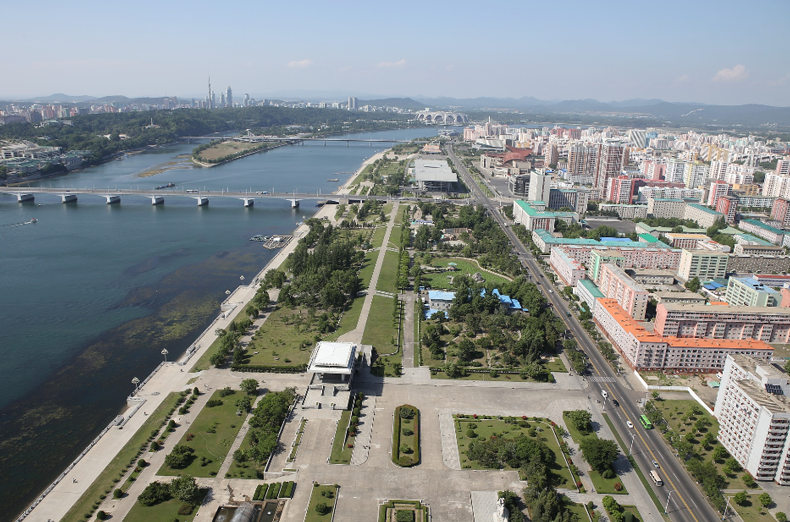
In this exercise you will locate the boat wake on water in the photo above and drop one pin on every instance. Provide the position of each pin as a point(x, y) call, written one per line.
point(6, 225)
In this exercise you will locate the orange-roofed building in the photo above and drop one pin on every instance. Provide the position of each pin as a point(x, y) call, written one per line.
point(645, 350)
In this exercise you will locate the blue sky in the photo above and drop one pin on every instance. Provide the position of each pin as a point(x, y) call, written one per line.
point(728, 52)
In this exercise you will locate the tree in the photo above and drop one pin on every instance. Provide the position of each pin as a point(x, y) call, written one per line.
point(765, 500)
point(599, 453)
point(185, 489)
point(580, 419)
point(694, 285)
point(180, 457)
point(249, 386)
point(154, 493)
point(740, 498)
point(322, 509)
point(781, 516)
point(466, 350)
point(719, 453)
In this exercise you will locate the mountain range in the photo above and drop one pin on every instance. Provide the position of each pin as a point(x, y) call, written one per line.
point(655, 111)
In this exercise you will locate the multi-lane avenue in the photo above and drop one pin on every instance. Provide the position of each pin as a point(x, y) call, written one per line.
point(687, 503)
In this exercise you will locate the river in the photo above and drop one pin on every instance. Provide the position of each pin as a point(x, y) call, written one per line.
point(92, 293)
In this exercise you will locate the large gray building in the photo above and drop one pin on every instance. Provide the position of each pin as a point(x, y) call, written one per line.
point(435, 176)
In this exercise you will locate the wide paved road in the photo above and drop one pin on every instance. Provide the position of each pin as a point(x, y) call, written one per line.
point(688, 504)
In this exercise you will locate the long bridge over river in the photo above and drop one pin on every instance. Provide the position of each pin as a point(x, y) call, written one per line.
point(252, 138)
point(113, 196)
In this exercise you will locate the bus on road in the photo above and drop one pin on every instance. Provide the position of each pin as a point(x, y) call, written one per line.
point(646, 422)
point(656, 478)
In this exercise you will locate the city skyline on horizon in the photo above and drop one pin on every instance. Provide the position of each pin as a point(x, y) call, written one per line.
point(569, 52)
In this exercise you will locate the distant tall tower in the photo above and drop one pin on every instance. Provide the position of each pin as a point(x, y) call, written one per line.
point(246, 99)
point(229, 97)
point(353, 103)
point(210, 98)
point(222, 99)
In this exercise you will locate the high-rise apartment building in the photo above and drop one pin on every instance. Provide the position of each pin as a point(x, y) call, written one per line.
point(539, 186)
point(228, 97)
point(718, 170)
point(674, 171)
point(353, 103)
point(620, 190)
point(704, 264)
point(753, 411)
point(728, 207)
point(630, 295)
point(583, 158)
point(783, 167)
point(551, 156)
point(653, 170)
point(781, 211)
point(610, 164)
point(695, 174)
point(717, 189)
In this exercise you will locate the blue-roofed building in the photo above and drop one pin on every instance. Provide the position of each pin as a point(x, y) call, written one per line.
point(746, 291)
point(439, 300)
point(511, 305)
point(544, 240)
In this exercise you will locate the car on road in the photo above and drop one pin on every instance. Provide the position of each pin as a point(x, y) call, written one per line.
point(655, 464)
point(604, 394)
point(551, 291)
point(614, 401)
point(629, 424)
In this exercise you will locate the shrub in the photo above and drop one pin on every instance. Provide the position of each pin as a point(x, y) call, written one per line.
point(781, 516)
point(354, 420)
point(154, 493)
point(117, 493)
point(101, 515)
point(404, 448)
point(618, 486)
point(608, 474)
point(405, 461)
point(628, 517)
point(141, 463)
point(470, 433)
point(355, 412)
point(408, 432)
point(224, 392)
point(322, 509)
point(186, 509)
point(180, 457)
point(404, 515)
point(214, 402)
point(406, 412)
point(154, 446)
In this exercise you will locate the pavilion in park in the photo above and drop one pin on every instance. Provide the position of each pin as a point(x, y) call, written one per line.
point(333, 363)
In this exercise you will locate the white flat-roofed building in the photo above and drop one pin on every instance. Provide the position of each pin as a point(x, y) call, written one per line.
point(567, 268)
point(333, 360)
point(679, 298)
point(701, 214)
point(666, 207)
point(652, 276)
point(434, 176)
point(753, 411)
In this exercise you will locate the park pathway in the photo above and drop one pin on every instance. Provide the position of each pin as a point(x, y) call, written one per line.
point(408, 329)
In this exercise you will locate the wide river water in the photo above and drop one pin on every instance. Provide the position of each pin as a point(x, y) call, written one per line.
point(92, 293)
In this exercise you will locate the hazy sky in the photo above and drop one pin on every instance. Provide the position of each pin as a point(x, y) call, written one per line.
point(722, 51)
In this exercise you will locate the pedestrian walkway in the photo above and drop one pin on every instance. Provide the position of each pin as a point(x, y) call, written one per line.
point(450, 455)
point(367, 415)
point(409, 342)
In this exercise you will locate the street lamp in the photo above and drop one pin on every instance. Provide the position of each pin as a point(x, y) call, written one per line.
point(724, 515)
point(632, 444)
point(164, 352)
point(668, 497)
point(136, 383)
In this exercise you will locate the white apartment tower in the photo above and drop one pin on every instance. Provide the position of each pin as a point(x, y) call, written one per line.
point(753, 411)
point(675, 170)
point(583, 158)
point(539, 186)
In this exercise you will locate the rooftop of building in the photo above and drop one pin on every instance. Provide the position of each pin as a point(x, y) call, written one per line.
point(753, 284)
point(637, 330)
point(748, 238)
point(620, 274)
point(652, 271)
point(703, 252)
point(647, 238)
point(705, 209)
point(607, 253)
point(433, 170)
point(590, 287)
point(548, 238)
point(566, 258)
point(674, 200)
point(664, 230)
point(726, 309)
point(439, 295)
point(683, 235)
point(758, 223)
point(527, 207)
point(331, 357)
point(677, 295)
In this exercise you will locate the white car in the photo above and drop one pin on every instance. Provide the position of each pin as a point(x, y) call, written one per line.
point(629, 424)
point(604, 394)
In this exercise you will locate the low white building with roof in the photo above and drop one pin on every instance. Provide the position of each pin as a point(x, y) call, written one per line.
point(333, 361)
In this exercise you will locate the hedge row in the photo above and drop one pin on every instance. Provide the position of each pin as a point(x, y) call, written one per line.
point(260, 368)
point(260, 492)
point(274, 491)
point(439, 369)
point(287, 490)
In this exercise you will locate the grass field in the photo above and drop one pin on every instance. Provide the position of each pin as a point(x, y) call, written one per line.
point(752, 510)
point(225, 148)
point(213, 432)
point(248, 470)
point(341, 453)
point(388, 277)
point(380, 333)
point(365, 273)
point(104, 482)
point(485, 428)
point(602, 485)
point(349, 320)
point(164, 511)
point(675, 412)
point(285, 339)
point(442, 280)
point(578, 510)
point(317, 497)
point(378, 237)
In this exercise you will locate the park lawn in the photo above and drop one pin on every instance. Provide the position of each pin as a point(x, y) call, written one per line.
point(380, 333)
point(418, 353)
point(388, 277)
point(365, 274)
point(248, 470)
point(203, 362)
point(442, 281)
point(752, 510)
point(486, 376)
point(349, 320)
point(387, 208)
point(341, 453)
point(677, 409)
point(214, 431)
point(316, 498)
point(399, 425)
point(633, 511)
point(426, 359)
point(577, 509)
point(164, 511)
point(378, 236)
point(286, 338)
point(553, 364)
point(575, 434)
point(105, 481)
point(223, 149)
point(606, 486)
point(489, 427)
